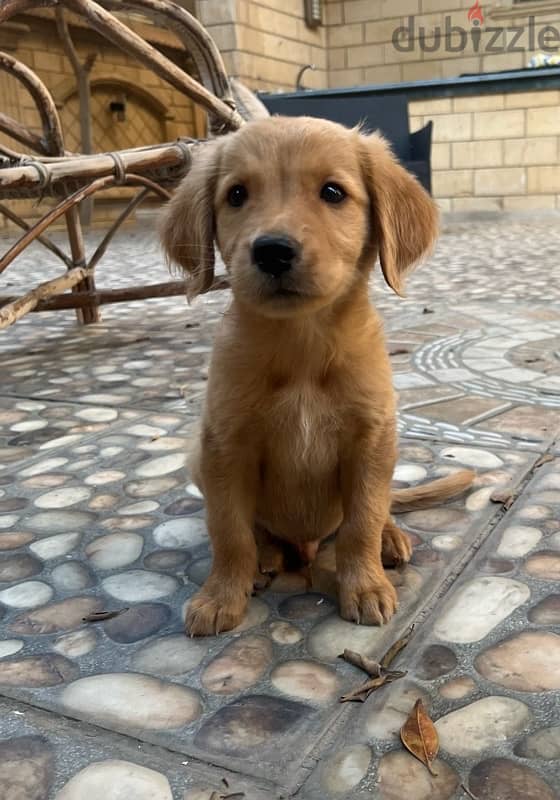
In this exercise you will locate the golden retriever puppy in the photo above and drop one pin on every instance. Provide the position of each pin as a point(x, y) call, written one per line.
point(299, 436)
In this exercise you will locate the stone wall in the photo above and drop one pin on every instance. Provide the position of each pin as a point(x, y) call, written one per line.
point(266, 42)
point(494, 152)
point(360, 49)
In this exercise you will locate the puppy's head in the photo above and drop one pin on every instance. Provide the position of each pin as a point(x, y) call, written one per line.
point(300, 208)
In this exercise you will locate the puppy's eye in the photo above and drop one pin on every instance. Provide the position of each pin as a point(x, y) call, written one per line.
point(332, 193)
point(237, 196)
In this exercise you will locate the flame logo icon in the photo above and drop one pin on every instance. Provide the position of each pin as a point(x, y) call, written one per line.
point(476, 15)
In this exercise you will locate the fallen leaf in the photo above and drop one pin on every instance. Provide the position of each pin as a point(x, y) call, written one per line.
point(362, 693)
point(368, 665)
point(379, 673)
point(468, 791)
point(419, 736)
point(544, 460)
point(396, 648)
point(399, 351)
point(101, 616)
point(505, 498)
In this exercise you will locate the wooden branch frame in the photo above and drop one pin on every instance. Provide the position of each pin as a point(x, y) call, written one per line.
point(72, 178)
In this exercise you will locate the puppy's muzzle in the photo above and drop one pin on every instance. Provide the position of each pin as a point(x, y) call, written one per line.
point(275, 254)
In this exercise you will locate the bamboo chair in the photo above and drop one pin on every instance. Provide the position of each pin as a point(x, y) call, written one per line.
point(71, 178)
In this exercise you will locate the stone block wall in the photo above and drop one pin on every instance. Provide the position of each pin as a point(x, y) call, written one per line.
point(494, 152)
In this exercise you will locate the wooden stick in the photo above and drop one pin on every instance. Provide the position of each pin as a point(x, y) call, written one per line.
point(64, 206)
point(108, 296)
point(20, 133)
point(45, 241)
point(126, 212)
point(117, 33)
point(19, 308)
point(170, 160)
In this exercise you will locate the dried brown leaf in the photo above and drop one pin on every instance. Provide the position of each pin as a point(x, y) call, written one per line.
point(102, 616)
point(362, 692)
point(544, 460)
point(419, 736)
point(396, 648)
point(368, 665)
point(467, 791)
point(505, 498)
point(399, 351)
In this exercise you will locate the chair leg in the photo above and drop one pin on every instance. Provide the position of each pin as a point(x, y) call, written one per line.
point(89, 313)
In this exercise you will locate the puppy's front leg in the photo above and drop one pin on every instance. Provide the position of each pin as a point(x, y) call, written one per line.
point(228, 476)
point(366, 595)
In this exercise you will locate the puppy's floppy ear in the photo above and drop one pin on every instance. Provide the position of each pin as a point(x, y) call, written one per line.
point(187, 225)
point(404, 216)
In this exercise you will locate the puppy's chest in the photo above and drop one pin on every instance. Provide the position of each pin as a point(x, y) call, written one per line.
point(302, 429)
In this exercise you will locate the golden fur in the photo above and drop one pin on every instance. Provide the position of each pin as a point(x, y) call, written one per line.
point(299, 437)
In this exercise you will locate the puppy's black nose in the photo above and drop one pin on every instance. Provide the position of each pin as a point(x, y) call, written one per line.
point(275, 254)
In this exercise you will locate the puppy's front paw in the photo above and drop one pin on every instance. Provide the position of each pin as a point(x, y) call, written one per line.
point(396, 546)
point(368, 600)
point(213, 610)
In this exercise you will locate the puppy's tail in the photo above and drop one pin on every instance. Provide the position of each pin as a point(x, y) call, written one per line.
point(429, 494)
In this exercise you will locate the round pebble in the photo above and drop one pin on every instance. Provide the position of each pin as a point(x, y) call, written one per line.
point(305, 607)
point(14, 539)
point(48, 481)
point(170, 655)
point(8, 647)
point(485, 723)
point(545, 565)
point(285, 633)
point(8, 521)
point(76, 644)
point(326, 636)
point(346, 769)
point(18, 567)
point(98, 414)
point(403, 776)
point(163, 465)
point(436, 520)
point(502, 779)
point(257, 613)
point(306, 680)
point(71, 577)
point(409, 473)
point(142, 507)
point(167, 560)
point(104, 477)
point(56, 546)
point(115, 550)
point(138, 585)
point(238, 666)
point(12, 504)
point(47, 465)
point(37, 671)
point(181, 532)
point(28, 594)
point(446, 542)
point(154, 487)
point(138, 622)
point(457, 688)
point(183, 506)
point(518, 540)
point(478, 607)
point(103, 502)
point(534, 512)
point(56, 617)
point(527, 662)
point(547, 612)
point(127, 700)
point(543, 744)
point(59, 521)
point(27, 768)
point(436, 661)
point(478, 500)
point(63, 498)
point(252, 723)
point(116, 780)
point(472, 457)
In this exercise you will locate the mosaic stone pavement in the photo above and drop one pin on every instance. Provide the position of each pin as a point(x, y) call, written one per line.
point(97, 514)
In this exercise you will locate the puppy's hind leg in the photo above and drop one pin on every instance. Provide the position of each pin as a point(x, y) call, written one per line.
point(271, 557)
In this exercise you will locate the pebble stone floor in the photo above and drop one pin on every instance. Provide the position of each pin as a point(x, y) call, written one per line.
point(97, 514)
